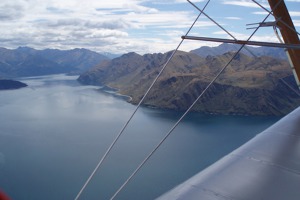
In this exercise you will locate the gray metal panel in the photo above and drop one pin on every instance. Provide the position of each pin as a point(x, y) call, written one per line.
point(265, 168)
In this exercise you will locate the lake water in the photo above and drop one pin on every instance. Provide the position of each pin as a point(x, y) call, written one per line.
point(53, 133)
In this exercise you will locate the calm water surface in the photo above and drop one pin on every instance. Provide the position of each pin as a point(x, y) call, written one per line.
point(53, 133)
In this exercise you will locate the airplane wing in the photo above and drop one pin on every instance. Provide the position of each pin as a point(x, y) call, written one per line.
point(265, 168)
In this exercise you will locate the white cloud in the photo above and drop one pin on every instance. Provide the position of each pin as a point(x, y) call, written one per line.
point(139, 9)
point(11, 12)
point(56, 23)
point(172, 1)
point(297, 23)
point(244, 3)
point(295, 13)
point(292, 13)
point(240, 36)
point(260, 13)
point(184, 1)
point(116, 26)
point(233, 18)
point(88, 24)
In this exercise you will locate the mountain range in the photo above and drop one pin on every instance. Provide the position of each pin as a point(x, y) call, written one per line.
point(253, 84)
point(25, 61)
point(249, 86)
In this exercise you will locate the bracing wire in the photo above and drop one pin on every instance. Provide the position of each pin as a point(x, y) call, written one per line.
point(281, 41)
point(290, 87)
point(283, 22)
point(219, 25)
point(134, 112)
point(211, 19)
point(187, 111)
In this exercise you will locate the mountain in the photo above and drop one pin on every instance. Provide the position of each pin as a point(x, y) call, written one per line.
point(14, 63)
point(110, 55)
point(249, 86)
point(78, 59)
point(25, 61)
point(250, 51)
point(11, 84)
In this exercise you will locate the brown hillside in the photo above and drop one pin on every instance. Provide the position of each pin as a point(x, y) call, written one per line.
point(249, 86)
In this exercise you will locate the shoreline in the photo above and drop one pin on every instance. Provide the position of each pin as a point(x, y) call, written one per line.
point(115, 92)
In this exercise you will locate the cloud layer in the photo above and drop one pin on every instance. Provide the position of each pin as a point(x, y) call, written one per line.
point(117, 26)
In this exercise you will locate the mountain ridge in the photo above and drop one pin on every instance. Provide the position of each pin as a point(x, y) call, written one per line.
point(249, 86)
point(248, 50)
point(26, 61)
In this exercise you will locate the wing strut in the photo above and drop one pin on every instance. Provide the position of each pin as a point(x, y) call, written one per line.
point(245, 42)
point(289, 35)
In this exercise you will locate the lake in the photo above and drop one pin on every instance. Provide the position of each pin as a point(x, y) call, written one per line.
point(54, 132)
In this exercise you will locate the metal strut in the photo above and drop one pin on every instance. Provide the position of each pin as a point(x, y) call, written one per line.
point(288, 34)
point(286, 27)
point(245, 42)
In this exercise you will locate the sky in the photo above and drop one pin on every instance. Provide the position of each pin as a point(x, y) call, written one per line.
point(121, 26)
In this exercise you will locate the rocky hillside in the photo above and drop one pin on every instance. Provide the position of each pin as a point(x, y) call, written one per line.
point(25, 61)
point(249, 86)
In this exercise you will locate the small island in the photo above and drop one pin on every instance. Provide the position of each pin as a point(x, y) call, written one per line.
point(11, 84)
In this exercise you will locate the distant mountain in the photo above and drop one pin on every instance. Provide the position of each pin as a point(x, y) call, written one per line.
point(10, 84)
point(110, 55)
point(14, 63)
point(78, 59)
point(249, 86)
point(25, 61)
point(249, 51)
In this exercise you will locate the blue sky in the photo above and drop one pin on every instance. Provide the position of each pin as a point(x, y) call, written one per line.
point(121, 26)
